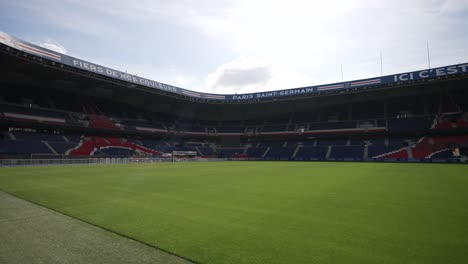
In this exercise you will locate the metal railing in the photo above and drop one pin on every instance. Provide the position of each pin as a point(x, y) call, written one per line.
point(77, 161)
point(12, 162)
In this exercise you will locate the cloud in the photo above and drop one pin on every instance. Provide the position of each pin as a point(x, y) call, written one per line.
point(54, 46)
point(296, 43)
point(453, 6)
point(247, 75)
point(239, 75)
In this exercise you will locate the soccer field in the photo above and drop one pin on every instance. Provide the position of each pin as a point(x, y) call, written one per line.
point(267, 212)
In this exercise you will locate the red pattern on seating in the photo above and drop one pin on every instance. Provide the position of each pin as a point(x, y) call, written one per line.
point(448, 105)
point(427, 146)
point(87, 146)
point(101, 121)
point(441, 123)
point(424, 149)
point(462, 122)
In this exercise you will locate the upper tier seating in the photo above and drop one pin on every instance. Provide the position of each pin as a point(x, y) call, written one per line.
point(230, 129)
point(101, 121)
point(16, 112)
point(274, 128)
point(145, 124)
point(409, 124)
point(462, 122)
point(442, 123)
point(332, 125)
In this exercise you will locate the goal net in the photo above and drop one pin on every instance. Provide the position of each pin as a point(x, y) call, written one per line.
point(184, 156)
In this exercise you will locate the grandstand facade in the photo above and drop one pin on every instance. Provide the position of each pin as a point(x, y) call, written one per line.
point(53, 105)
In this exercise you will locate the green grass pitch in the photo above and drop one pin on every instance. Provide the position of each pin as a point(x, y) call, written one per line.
point(267, 212)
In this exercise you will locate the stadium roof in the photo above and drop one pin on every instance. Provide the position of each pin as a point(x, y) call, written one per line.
point(55, 59)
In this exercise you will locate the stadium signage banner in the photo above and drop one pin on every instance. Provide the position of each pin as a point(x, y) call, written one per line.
point(84, 65)
point(431, 73)
point(134, 79)
point(280, 93)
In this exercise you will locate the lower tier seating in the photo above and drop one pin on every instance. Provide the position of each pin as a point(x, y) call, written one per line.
point(88, 146)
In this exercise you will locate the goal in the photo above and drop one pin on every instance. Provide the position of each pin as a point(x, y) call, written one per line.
point(184, 156)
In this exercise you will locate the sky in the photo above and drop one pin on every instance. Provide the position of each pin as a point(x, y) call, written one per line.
point(243, 46)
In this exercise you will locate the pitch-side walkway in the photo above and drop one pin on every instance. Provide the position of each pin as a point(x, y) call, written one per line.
point(33, 234)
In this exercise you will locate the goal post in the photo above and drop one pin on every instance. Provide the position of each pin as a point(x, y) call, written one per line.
point(184, 156)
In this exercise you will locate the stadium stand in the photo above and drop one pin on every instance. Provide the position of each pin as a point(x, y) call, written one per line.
point(90, 145)
point(90, 116)
point(311, 153)
point(347, 153)
point(13, 147)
